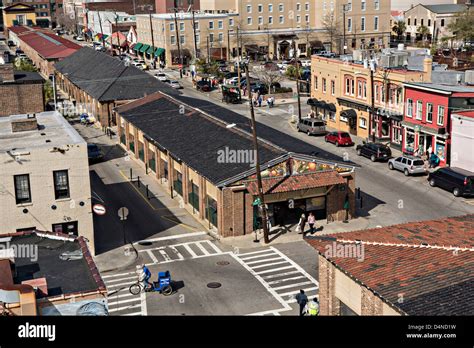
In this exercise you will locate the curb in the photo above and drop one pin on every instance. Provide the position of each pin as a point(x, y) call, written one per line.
point(125, 265)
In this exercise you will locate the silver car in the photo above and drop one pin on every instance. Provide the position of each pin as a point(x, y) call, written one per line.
point(311, 126)
point(408, 165)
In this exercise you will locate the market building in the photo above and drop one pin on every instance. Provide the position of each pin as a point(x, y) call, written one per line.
point(462, 139)
point(418, 268)
point(96, 83)
point(211, 168)
point(45, 176)
point(427, 115)
point(49, 274)
point(341, 94)
point(43, 47)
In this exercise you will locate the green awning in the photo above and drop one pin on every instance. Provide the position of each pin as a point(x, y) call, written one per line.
point(137, 46)
point(150, 50)
point(159, 52)
point(144, 48)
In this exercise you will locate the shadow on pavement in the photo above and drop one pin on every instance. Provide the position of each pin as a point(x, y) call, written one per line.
point(366, 204)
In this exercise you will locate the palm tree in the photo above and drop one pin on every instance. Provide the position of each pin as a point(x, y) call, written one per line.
point(399, 28)
point(423, 31)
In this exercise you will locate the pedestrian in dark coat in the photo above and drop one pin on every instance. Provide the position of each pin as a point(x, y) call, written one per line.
point(302, 300)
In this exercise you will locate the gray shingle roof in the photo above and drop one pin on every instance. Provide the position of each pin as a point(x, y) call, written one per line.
point(446, 8)
point(193, 137)
point(442, 87)
point(106, 78)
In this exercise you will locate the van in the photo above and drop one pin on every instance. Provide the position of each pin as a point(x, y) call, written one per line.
point(311, 126)
point(456, 180)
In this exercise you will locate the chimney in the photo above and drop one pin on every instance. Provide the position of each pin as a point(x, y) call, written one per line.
point(427, 68)
point(6, 73)
point(24, 124)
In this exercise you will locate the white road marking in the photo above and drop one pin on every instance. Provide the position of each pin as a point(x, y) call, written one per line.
point(280, 274)
point(297, 291)
point(143, 303)
point(204, 251)
point(256, 257)
point(152, 256)
point(118, 280)
point(251, 253)
point(134, 313)
point(269, 264)
point(213, 246)
point(122, 308)
point(285, 280)
point(189, 250)
point(121, 284)
point(275, 269)
point(292, 285)
point(296, 266)
point(273, 311)
point(116, 275)
point(181, 257)
point(116, 303)
point(114, 296)
point(164, 254)
point(259, 261)
point(177, 236)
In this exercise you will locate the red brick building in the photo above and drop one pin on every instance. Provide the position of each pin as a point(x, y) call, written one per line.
point(209, 167)
point(417, 268)
point(167, 6)
point(21, 92)
point(427, 116)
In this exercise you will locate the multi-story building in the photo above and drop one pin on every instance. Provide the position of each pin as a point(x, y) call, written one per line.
point(435, 18)
point(427, 117)
point(45, 10)
point(21, 92)
point(342, 95)
point(364, 23)
point(168, 6)
point(45, 176)
point(211, 36)
point(18, 14)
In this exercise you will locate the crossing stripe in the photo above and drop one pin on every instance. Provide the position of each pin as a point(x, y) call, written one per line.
point(134, 313)
point(285, 280)
point(119, 280)
point(258, 256)
point(177, 252)
point(258, 261)
point(113, 297)
point(116, 275)
point(116, 303)
point(177, 236)
point(292, 285)
point(152, 256)
point(213, 246)
point(269, 264)
point(306, 274)
point(122, 308)
point(253, 252)
point(165, 255)
point(275, 269)
point(189, 250)
point(297, 291)
point(280, 274)
point(121, 284)
point(205, 252)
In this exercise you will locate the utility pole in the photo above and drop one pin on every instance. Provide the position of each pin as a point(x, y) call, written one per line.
point(152, 41)
point(194, 33)
point(101, 31)
point(117, 33)
point(257, 164)
point(178, 40)
point(344, 28)
point(228, 44)
point(239, 51)
point(208, 52)
point(372, 102)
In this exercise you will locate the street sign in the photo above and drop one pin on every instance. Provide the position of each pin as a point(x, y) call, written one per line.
point(99, 209)
point(123, 213)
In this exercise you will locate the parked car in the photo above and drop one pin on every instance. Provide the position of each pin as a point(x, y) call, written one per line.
point(79, 38)
point(140, 64)
point(374, 151)
point(339, 138)
point(306, 62)
point(94, 153)
point(204, 86)
point(408, 165)
point(161, 77)
point(311, 126)
point(456, 180)
point(175, 84)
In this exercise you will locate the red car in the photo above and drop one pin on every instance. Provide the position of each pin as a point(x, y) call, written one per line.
point(339, 138)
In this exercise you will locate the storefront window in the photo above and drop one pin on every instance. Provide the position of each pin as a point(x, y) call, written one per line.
point(409, 141)
point(385, 128)
point(178, 183)
point(211, 210)
point(396, 134)
point(441, 149)
point(193, 195)
point(151, 160)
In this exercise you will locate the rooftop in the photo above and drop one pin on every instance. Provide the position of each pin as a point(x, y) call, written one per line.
point(193, 137)
point(62, 277)
point(28, 77)
point(187, 15)
point(446, 8)
point(52, 124)
point(430, 263)
point(441, 87)
point(106, 78)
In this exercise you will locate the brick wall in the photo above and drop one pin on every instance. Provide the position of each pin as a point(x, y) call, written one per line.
point(6, 73)
point(371, 304)
point(336, 199)
point(21, 99)
point(328, 302)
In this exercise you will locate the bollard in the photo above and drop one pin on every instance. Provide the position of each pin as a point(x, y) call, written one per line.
point(131, 175)
point(147, 192)
point(146, 168)
point(138, 181)
point(358, 192)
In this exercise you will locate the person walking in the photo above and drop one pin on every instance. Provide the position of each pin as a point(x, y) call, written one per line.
point(302, 300)
point(260, 99)
point(313, 307)
point(301, 224)
point(311, 222)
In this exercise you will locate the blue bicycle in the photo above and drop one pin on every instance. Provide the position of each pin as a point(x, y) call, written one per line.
point(162, 285)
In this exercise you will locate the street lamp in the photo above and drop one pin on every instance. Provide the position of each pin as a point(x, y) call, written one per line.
point(372, 68)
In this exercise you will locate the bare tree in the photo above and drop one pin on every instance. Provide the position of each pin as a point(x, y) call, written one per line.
point(308, 35)
point(269, 76)
point(332, 28)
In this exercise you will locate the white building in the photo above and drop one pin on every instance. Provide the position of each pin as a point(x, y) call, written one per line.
point(462, 140)
point(44, 176)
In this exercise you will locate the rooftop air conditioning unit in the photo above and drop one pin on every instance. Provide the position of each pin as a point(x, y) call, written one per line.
point(469, 77)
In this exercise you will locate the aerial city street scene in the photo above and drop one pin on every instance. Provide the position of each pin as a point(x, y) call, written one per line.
point(236, 158)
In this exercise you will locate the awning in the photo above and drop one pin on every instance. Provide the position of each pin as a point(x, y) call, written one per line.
point(349, 113)
point(329, 107)
point(150, 50)
point(144, 48)
point(159, 51)
point(313, 102)
point(137, 46)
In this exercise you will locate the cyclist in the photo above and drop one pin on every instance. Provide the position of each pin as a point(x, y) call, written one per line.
point(144, 277)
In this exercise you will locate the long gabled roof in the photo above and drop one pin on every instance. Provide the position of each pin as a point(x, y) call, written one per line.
point(420, 268)
point(106, 78)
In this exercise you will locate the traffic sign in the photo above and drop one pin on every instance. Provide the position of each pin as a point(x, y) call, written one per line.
point(99, 209)
point(123, 213)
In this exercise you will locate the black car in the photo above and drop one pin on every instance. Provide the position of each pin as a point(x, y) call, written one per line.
point(374, 151)
point(204, 86)
point(94, 153)
point(456, 180)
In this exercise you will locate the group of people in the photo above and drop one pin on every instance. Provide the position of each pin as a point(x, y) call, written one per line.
point(301, 227)
point(307, 307)
point(430, 157)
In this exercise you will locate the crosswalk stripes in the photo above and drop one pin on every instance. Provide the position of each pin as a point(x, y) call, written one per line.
point(279, 274)
point(119, 298)
point(180, 252)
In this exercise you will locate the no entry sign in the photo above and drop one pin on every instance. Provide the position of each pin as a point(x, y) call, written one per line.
point(99, 209)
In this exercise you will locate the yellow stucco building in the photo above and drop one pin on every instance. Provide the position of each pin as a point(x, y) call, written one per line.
point(18, 14)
